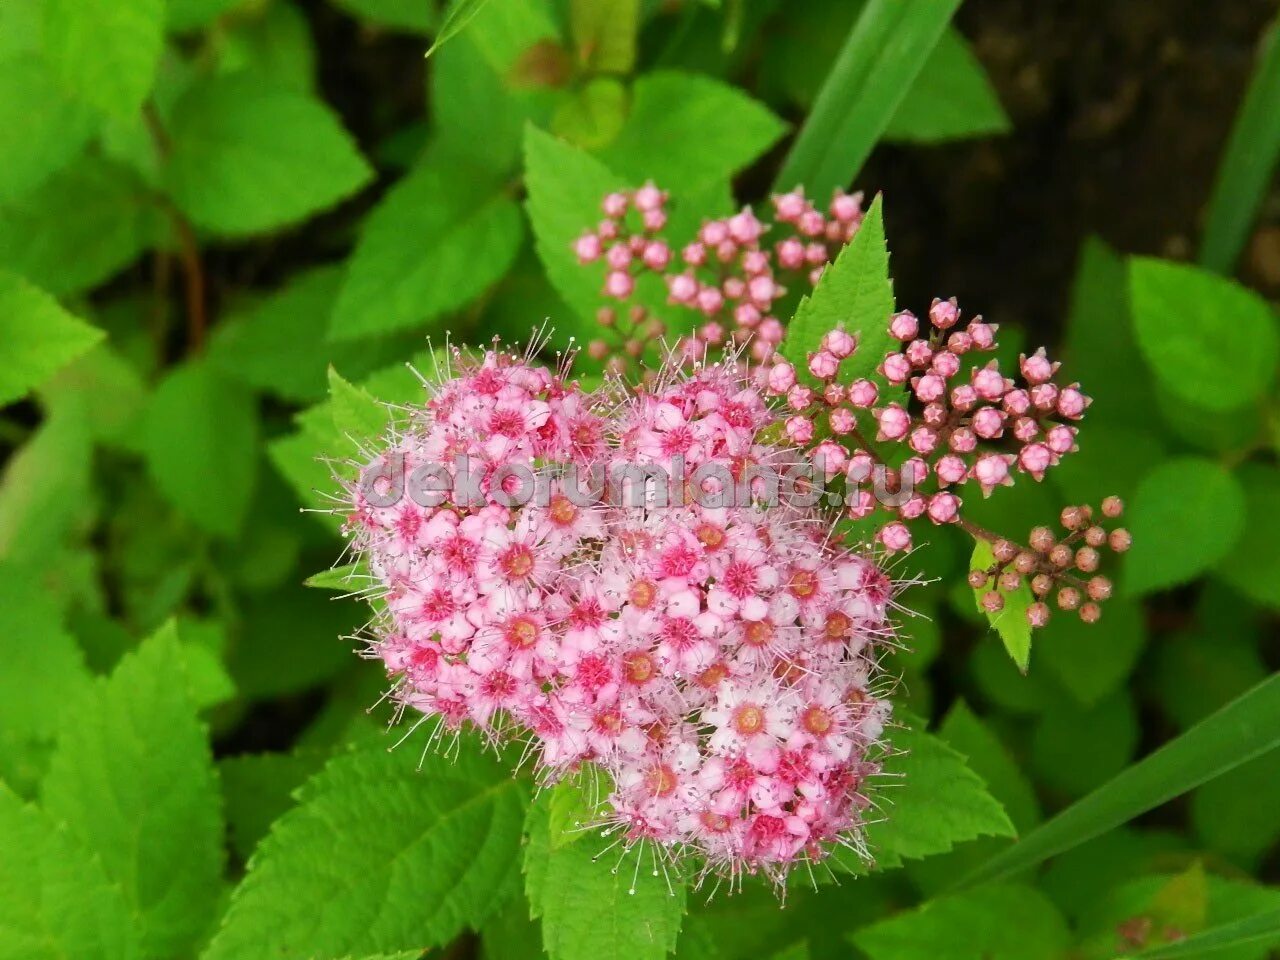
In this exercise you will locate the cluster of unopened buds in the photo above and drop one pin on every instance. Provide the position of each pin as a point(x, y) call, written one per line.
point(718, 662)
point(960, 419)
point(1056, 568)
point(732, 275)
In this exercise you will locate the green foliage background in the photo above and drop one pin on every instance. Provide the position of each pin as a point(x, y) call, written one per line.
point(213, 268)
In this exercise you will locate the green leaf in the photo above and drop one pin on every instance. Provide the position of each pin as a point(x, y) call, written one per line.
point(132, 779)
point(1246, 728)
point(81, 227)
point(395, 850)
point(44, 129)
point(689, 132)
point(258, 788)
point(55, 901)
point(343, 579)
point(455, 21)
point(39, 337)
point(575, 805)
point(951, 98)
point(356, 414)
point(593, 115)
point(1260, 928)
point(274, 45)
point(995, 923)
point(248, 158)
point(1227, 816)
point(604, 32)
point(413, 16)
point(1075, 749)
point(1185, 517)
point(1010, 621)
point(105, 51)
point(200, 436)
point(1253, 564)
point(937, 802)
point(855, 293)
point(1248, 163)
point(1210, 341)
point(989, 758)
point(46, 488)
point(466, 231)
point(1094, 659)
point(186, 15)
point(598, 905)
point(884, 53)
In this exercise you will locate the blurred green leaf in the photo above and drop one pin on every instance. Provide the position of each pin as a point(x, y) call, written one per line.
point(989, 758)
point(1010, 621)
point(81, 227)
point(45, 491)
point(1185, 516)
point(55, 901)
point(39, 337)
point(1210, 341)
point(414, 16)
point(200, 440)
point(1248, 163)
point(44, 129)
point(1091, 660)
point(1245, 728)
point(187, 15)
point(598, 905)
point(604, 32)
point(592, 116)
point(951, 98)
point(273, 44)
point(257, 789)
point(884, 53)
point(1253, 564)
point(105, 51)
point(455, 21)
point(854, 293)
point(687, 132)
point(437, 240)
point(1260, 929)
point(132, 779)
point(248, 158)
point(1076, 748)
point(995, 923)
point(439, 855)
point(1228, 817)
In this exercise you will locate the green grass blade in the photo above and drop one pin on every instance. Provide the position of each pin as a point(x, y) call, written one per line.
point(459, 15)
point(1246, 728)
point(1260, 926)
point(888, 45)
point(1252, 151)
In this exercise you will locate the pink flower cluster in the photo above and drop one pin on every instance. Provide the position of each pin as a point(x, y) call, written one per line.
point(718, 663)
point(962, 420)
point(732, 274)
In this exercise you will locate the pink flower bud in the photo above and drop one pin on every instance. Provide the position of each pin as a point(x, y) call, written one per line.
point(988, 423)
point(712, 332)
point(726, 251)
point(914, 471)
point(770, 330)
point(1037, 368)
point(964, 397)
point(1025, 429)
point(863, 393)
point(1035, 459)
point(962, 440)
point(683, 288)
point(861, 504)
point(959, 343)
point(746, 315)
point(860, 468)
point(597, 349)
point(983, 335)
point(991, 471)
point(744, 227)
point(1072, 403)
point(812, 224)
point(946, 364)
point(755, 262)
point(657, 255)
point(842, 421)
point(654, 220)
point(894, 422)
point(649, 197)
point(587, 247)
point(846, 208)
point(839, 343)
point(618, 284)
point(762, 291)
point(951, 469)
point(799, 429)
point(914, 507)
point(782, 377)
point(832, 457)
point(615, 205)
point(714, 233)
point(943, 314)
point(904, 326)
point(1044, 396)
point(800, 397)
point(930, 387)
point(944, 507)
point(694, 254)
point(789, 206)
point(895, 537)
point(790, 254)
point(1017, 402)
point(834, 394)
point(710, 300)
point(988, 383)
point(1061, 439)
point(935, 414)
point(923, 440)
point(619, 256)
point(823, 365)
point(607, 229)
point(919, 353)
point(896, 368)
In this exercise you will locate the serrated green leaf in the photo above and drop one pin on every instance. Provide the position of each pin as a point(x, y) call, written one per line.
point(884, 53)
point(356, 414)
point(439, 855)
point(990, 759)
point(105, 51)
point(604, 32)
point(79, 228)
point(951, 98)
point(687, 132)
point(200, 440)
point(39, 337)
point(1185, 517)
point(995, 923)
point(855, 293)
point(44, 129)
point(467, 232)
point(1209, 341)
point(247, 158)
point(55, 901)
point(132, 779)
point(601, 906)
point(1010, 621)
